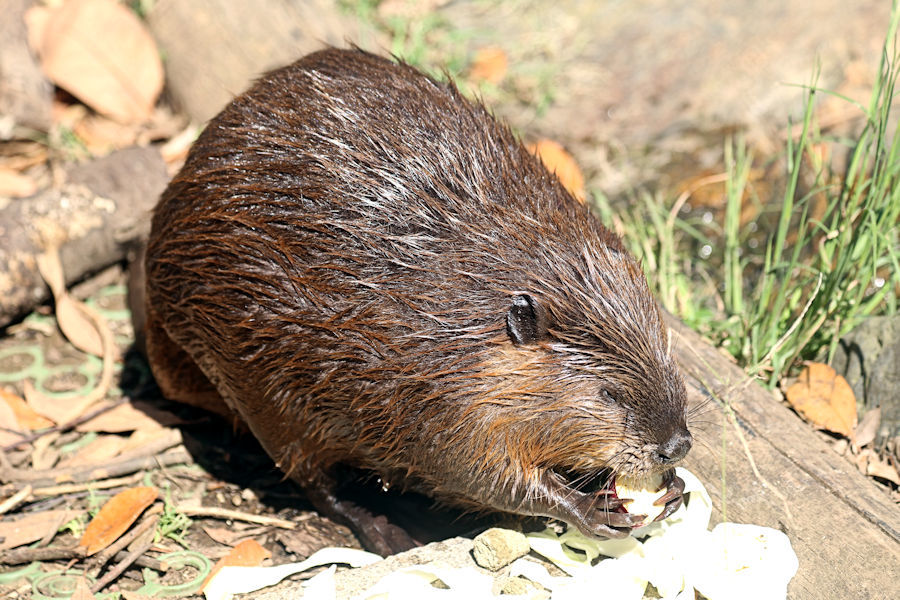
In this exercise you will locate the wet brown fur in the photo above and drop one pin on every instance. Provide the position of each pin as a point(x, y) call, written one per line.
point(336, 261)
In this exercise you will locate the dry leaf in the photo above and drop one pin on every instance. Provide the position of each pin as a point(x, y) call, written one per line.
point(116, 517)
point(490, 65)
point(248, 553)
point(16, 185)
point(82, 590)
point(868, 427)
point(145, 437)
point(101, 135)
point(558, 161)
point(882, 469)
point(175, 150)
point(825, 398)
point(99, 450)
point(103, 55)
point(20, 155)
point(45, 454)
point(51, 270)
point(31, 527)
point(122, 418)
point(9, 425)
point(77, 327)
point(227, 536)
point(49, 407)
point(25, 415)
point(72, 319)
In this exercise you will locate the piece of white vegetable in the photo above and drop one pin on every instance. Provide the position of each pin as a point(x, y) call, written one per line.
point(676, 555)
point(743, 562)
point(240, 580)
point(643, 493)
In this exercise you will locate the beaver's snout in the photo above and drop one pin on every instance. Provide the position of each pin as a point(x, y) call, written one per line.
point(675, 448)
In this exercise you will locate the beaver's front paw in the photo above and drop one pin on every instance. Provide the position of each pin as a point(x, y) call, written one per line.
point(602, 514)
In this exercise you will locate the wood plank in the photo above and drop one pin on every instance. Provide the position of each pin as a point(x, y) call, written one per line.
point(844, 529)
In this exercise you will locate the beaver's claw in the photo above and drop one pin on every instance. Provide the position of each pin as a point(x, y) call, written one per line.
point(674, 496)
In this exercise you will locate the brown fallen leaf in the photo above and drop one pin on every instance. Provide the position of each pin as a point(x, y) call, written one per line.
point(45, 454)
point(101, 449)
point(175, 150)
point(115, 517)
point(868, 427)
point(558, 161)
point(53, 408)
point(73, 321)
point(102, 135)
point(82, 590)
point(227, 536)
point(25, 415)
point(248, 553)
point(31, 527)
point(11, 430)
point(100, 52)
point(120, 419)
point(880, 468)
point(151, 437)
point(20, 155)
point(16, 185)
point(490, 64)
point(824, 398)
point(77, 318)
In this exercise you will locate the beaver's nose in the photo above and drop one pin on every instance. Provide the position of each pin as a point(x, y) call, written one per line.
point(675, 448)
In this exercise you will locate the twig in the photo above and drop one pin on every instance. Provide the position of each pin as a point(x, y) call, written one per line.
point(224, 513)
point(15, 500)
point(26, 555)
point(145, 561)
point(64, 474)
point(66, 426)
point(113, 469)
point(131, 557)
point(74, 488)
point(21, 556)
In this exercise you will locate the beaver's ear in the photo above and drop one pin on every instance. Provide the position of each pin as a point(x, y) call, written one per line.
point(526, 320)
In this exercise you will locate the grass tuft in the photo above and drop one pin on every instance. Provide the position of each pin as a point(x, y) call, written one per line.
point(830, 261)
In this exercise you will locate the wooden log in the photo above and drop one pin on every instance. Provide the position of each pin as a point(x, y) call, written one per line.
point(94, 216)
point(215, 48)
point(844, 529)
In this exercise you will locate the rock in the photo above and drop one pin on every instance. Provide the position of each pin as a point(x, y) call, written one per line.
point(869, 359)
point(519, 586)
point(452, 553)
point(496, 548)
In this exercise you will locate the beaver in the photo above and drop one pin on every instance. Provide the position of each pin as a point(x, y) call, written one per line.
point(370, 270)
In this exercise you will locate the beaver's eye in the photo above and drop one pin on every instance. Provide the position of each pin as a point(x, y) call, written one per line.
point(524, 320)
